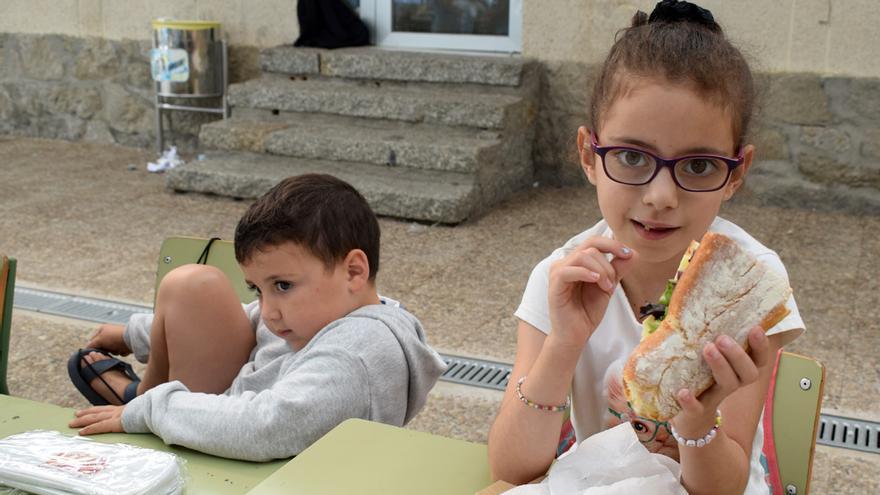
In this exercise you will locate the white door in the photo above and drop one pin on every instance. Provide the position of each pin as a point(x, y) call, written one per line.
point(478, 25)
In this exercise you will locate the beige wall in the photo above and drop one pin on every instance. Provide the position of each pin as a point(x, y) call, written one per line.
point(824, 36)
point(246, 22)
point(831, 37)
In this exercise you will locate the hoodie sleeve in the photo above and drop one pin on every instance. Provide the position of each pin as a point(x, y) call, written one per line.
point(278, 422)
point(137, 335)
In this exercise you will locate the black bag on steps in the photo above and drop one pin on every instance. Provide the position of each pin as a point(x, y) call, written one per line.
point(329, 24)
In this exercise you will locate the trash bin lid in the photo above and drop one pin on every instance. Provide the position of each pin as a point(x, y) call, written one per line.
point(185, 25)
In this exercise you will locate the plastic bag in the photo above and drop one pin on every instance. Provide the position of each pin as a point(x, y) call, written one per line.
point(612, 462)
point(49, 463)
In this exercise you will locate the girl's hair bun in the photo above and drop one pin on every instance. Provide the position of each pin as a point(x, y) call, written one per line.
point(678, 11)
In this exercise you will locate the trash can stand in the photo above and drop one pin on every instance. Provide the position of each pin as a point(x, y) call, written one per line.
point(161, 97)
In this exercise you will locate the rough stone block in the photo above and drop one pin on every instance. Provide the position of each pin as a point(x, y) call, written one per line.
point(232, 134)
point(98, 58)
point(42, 56)
point(855, 98)
point(871, 144)
point(770, 144)
point(828, 170)
point(126, 111)
point(798, 99)
point(10, 62)
point(290, 60)
point(371, 63)
point(827, 140)
point(98, 132)
point(244, 63)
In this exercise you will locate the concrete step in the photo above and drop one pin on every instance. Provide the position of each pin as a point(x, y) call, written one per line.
point(454, 105)
point(434, 196)
point(333, 137)
point(379, 64)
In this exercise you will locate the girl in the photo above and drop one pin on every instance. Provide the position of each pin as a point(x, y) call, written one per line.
point(670, 112)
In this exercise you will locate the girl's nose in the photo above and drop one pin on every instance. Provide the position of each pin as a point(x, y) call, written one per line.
point(662, 192)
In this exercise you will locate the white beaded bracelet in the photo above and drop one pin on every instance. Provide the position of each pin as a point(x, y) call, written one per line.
point(699, 442)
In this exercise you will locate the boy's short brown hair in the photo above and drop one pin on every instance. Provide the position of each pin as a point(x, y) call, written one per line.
point(323, 214)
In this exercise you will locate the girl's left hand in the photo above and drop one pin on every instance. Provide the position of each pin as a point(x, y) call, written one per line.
point(99, 419)
point(733, 368)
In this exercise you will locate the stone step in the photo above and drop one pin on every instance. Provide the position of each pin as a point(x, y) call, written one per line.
point(374, 63)
point(434, 196)
point(446, 105)
point(340, 138)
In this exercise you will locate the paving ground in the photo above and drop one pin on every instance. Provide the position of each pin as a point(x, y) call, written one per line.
point(89, 219)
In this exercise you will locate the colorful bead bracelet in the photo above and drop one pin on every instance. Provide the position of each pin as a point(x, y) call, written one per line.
point(535, 405)
point(699, 442)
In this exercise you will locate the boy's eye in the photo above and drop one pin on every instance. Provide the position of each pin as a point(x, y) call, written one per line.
point(282, 286)
point(253, 288)
point(631, 158)
point(700, 166)
point(639, 426)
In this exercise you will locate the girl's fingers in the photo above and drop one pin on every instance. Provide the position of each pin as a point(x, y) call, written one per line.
point(725, 376)
point(689, 403)
point(606, 245)
point(760, 347)
point(738, 360)
point(572, 274)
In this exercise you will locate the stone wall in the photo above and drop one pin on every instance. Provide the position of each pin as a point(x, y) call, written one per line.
point(100, 90)
point(828, 127)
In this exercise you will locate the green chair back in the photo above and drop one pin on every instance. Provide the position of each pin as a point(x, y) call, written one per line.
point(797, 400)
point(7, 291)
point(177, 251)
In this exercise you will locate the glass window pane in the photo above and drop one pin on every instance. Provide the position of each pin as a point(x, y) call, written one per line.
point(487, 17)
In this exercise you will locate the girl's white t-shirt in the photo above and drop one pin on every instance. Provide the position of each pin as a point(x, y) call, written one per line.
point(597, 384)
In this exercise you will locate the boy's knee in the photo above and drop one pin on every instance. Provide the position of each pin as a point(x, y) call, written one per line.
point(192, 280)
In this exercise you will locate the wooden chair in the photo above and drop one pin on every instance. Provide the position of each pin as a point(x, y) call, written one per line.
point(7, 291)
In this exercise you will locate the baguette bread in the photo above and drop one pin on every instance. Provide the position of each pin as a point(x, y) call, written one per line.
point(723, 290)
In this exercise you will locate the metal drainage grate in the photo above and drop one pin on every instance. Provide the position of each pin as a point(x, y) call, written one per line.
point(468, 371)
point(849, 433)
point(476, 372)
point(78, 307)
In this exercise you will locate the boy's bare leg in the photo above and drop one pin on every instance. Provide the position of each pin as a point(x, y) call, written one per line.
point(200, 335)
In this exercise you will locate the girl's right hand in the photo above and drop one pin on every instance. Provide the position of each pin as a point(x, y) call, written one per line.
point(109, 338)
point(581, 284)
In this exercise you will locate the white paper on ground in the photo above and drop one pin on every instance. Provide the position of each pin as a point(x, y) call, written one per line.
point(168, 160)
point(611, 462)
point(49, 463)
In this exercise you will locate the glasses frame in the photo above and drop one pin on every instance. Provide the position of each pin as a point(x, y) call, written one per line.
point(629, 419)
point(662, 163)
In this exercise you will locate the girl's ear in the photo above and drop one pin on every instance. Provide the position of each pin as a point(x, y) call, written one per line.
point(357, 269)
point(587, 158)
point(737, 178)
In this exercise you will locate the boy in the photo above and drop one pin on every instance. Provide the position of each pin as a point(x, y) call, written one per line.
point(319, 345)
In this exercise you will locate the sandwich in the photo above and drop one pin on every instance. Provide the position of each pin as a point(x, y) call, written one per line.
point(720, 288)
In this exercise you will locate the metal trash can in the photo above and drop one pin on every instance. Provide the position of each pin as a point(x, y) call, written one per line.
point(189, 60)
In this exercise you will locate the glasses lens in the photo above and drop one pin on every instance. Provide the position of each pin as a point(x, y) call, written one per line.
point(701, 173)
point(644, 430)
point(629, 166)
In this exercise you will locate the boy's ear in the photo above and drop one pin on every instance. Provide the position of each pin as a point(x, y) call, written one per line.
point(587, 158)
point(737, 178)
point(357, 268)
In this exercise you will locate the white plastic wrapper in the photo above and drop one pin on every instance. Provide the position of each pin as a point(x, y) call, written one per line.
point(611, 462)
point(49, 463)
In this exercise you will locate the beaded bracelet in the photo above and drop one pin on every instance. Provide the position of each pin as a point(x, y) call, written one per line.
point(535, 405)
point(700, 442)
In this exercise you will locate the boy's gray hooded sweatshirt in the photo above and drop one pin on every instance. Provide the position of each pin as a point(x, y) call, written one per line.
point(372, 364)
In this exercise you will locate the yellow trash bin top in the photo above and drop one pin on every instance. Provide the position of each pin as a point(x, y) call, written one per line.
point(185, 25)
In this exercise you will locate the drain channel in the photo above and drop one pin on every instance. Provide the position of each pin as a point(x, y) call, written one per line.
point(835, 431)
point(467, 371)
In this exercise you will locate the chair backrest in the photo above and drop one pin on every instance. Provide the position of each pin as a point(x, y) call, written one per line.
point(177, 251)
point(7, 291)
point(791, 418)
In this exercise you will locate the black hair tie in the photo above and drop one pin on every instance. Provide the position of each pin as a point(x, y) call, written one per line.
point(678, 11)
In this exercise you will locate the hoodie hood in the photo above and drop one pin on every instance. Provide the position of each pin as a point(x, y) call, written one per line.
point(424, 364)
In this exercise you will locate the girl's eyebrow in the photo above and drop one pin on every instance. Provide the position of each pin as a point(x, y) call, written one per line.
point(698, 150)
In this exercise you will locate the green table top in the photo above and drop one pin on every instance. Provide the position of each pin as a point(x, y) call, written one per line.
point(371, 458)
point(207, 474)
